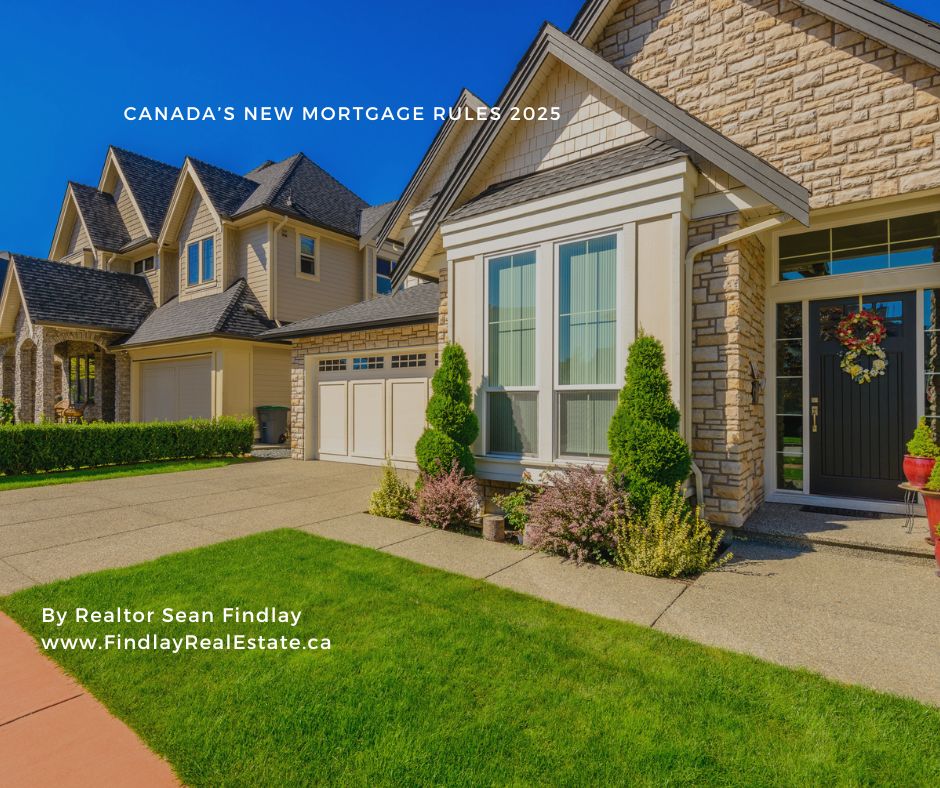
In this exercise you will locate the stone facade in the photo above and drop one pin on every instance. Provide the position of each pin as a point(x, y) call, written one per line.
point(442, 310)
point(728, 430)
point(842, 114)
point(377, 339)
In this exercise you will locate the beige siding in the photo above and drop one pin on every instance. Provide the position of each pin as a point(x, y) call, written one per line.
point(198, 224)
point(129, 215)
point(271, 373)
point(168, 265)
point(252, 260)
point(339, 284)
point(79, 238)
point(656, 304)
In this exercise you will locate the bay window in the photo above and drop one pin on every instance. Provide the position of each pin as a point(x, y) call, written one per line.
point(511, 395)
point(587, 345)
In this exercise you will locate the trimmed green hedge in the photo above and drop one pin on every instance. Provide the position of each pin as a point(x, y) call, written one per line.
point(30, 448)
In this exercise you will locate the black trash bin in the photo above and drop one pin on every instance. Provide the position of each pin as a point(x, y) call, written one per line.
point(272, 419)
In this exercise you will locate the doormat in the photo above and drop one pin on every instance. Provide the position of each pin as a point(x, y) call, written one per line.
point(842, 512)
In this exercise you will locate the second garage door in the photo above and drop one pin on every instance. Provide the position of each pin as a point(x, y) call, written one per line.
point(372, 407)
point(176, 389)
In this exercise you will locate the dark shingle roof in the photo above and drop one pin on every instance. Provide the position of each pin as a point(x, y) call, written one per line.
point(151, 182)
point(411, 305)
point(565, 177)
point(101, 216)
point(295, 185)
point(71, 295)
point(235, 313)
point(373, 215)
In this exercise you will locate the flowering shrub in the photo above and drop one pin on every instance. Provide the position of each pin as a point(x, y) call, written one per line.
point(393, 497)
point(670, 540)
point(6, 410)
point(446, 500)
point(576, 515)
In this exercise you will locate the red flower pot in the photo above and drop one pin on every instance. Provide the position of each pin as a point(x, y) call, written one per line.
point(917, 469)
point(932, 504)
point(936, 553)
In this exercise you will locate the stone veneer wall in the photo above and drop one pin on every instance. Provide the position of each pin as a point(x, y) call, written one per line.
point(374, 339)
point(442, 309)
point(728, 430)
point(842, 114)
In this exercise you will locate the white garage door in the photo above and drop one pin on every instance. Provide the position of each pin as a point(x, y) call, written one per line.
point(372, 407)
point(176, 389)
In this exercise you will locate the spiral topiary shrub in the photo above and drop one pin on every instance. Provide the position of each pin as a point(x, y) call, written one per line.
point(648, 456)
point(453, 426)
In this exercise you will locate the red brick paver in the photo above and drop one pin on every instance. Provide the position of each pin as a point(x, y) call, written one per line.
point(53, 732)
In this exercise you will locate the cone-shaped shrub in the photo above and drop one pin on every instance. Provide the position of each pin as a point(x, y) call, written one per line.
point(647, 454)
point(453, 425)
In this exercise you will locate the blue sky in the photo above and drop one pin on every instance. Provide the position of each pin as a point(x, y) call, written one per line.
point(69, 70)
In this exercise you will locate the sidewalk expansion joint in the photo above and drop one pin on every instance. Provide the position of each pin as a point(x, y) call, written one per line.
point(503, 569)
point(37, 711)
point(685, 587)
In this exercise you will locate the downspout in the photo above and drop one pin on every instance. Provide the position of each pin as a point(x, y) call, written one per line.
point(107, 265)
point(708, 246)
point(273, 266)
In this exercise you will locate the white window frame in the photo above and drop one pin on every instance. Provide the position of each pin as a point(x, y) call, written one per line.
point(317, 249)
point(487, 388)
point(557, 387)
point(215, 268)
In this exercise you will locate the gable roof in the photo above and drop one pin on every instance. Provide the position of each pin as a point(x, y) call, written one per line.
point(901, 30)
point(687, 130)
point(63, 294)
point(417, 304)
point(296, 186)
point(151, 183)
point(233, 313)
point(373, 215)
point(600, 167)
point(101, 216)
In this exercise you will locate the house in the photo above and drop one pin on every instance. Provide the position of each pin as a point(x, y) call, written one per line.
point(734, 177)
point(161, 279)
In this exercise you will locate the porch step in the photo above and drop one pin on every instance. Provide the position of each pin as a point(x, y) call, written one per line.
point(820, 545)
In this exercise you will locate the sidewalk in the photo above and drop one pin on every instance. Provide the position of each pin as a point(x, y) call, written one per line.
point(52, 732)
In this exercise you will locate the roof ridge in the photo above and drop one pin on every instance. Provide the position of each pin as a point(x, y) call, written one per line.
point(282, 181)
point(331, 176)
point(221, 169)
point(231, 305)
point(142, 156)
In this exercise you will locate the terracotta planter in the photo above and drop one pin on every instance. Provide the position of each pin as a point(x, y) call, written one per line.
point(936, 554)
point(917, 469)
point(932, 505)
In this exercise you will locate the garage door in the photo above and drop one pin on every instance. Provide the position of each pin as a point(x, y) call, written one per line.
point(372, 407)
point(177, 389)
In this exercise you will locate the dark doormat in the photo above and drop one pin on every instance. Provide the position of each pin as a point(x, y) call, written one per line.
point(843, 512)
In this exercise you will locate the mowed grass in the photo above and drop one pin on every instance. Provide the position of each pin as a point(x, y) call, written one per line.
point(113, 472)
point(436, 678)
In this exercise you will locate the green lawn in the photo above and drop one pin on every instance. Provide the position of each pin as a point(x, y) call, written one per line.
point(112, 472)
point(436, 678)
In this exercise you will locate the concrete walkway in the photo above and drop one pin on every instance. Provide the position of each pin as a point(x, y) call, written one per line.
point(851, 617)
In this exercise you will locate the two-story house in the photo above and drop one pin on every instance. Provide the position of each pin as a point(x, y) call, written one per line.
point(160, 280)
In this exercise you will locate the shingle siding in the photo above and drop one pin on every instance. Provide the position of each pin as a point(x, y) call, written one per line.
point(198, 224)
point(252, 261)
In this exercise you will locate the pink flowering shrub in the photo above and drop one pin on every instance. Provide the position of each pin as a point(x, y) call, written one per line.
point(576, 515)
point(446, 500)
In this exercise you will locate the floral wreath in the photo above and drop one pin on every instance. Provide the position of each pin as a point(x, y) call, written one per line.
point(873, 332)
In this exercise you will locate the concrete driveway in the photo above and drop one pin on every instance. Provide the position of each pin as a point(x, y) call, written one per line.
point(49, 533)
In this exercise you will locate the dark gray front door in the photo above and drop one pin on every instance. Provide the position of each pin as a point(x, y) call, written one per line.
point(858, 431)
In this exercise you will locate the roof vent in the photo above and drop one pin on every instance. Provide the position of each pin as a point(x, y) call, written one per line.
point(250, 309)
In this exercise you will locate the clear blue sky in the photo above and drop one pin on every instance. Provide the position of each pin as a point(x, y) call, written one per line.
point(69, 69)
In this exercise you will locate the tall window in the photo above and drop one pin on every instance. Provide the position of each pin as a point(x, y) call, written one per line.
point(307, 263)
point(511, 399)
point(383, 276)
point(587, 345)
point(81, 379)
point(932, 358)
point(869, 246)
point(790, 396)
point(200, 261)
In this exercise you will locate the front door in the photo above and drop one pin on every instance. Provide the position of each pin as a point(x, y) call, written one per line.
point(858, 430)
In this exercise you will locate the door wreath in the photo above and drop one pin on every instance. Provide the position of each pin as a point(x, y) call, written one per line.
point(862, 333)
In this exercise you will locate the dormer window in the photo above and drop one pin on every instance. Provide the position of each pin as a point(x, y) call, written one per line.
point(144, 266)
point(307, 256)
point(200, 257)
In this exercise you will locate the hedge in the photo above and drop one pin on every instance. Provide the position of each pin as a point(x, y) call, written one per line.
point(29, 448)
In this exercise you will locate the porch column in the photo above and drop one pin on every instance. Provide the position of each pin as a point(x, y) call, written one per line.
point(7, 367)
point(44, 392)
point(122, 387)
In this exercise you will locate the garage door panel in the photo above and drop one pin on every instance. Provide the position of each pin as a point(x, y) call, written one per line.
point(176, 389)
point(331, 419)
point(367, 405)
point(195, 390)
point(408, 401)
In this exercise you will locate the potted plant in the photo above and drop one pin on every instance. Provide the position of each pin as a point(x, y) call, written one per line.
point(922, 452)
point(931, 494)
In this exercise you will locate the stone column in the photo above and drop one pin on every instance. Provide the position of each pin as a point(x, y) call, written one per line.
point(7, 367)
point(44, 386)
point(122, 387)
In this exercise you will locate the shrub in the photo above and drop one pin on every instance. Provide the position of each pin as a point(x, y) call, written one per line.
point(6, 410)
point(669, 540)
point(576, 514)
point(28, 448)
point(446, 499)
point(394, 496)
point(933, 483)
point(453, 425)
point(922, 444)
point(515, 505)
point(647, 454)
